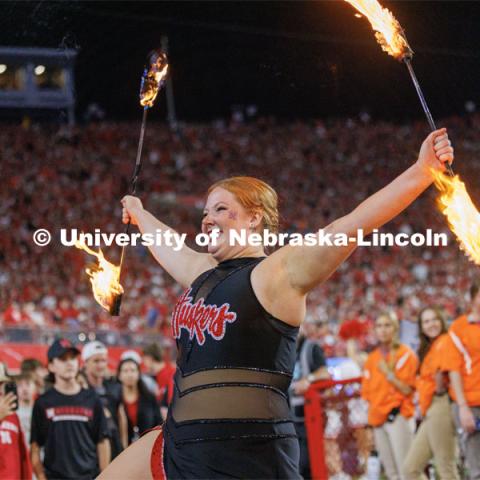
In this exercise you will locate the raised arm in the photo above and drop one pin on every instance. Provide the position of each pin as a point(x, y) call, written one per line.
point(306, 267)
point(183, 264)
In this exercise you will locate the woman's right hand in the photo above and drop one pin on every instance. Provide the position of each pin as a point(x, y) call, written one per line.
point(131, 206)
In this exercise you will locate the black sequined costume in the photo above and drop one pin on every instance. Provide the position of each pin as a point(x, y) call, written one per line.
point(229, 417)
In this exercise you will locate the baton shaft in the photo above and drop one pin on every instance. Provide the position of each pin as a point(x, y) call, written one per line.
point(430, 120)
point(136, 172)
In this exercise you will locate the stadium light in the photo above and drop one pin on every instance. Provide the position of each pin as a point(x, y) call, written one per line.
point(39, 70)
point(3, 68)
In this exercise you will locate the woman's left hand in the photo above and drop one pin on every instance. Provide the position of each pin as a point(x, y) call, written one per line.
point(436, 151)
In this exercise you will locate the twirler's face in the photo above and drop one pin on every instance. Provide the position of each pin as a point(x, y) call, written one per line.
point(223, 213)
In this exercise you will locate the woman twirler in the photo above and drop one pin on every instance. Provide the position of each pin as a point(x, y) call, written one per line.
point(236, 326)
point(436, 435)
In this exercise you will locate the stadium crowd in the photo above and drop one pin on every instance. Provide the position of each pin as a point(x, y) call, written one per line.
point(75, 177)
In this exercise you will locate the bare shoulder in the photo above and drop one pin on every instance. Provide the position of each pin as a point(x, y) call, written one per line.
point(274, 291)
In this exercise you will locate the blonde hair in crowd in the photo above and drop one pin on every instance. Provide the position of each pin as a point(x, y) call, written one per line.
point(391, 316)
point(255, 196)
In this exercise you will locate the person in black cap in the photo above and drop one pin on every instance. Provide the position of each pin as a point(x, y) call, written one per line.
point(68, 422)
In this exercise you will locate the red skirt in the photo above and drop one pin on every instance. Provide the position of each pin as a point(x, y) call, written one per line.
point(156, 458)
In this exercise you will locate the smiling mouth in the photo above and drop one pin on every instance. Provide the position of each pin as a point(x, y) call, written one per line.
point(211, 230)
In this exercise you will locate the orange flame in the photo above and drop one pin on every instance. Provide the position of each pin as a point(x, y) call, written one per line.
point(152, 80)
point(388, 31)
point(104, 277)
point(463, 217)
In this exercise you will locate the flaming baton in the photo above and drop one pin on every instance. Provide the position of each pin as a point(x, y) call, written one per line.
point(105, 276)
point(391, 37)
point(151, 83)
point(454, 201)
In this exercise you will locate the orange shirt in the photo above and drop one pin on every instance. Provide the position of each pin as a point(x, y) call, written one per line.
point(432, 363)
point(462, 354)
point(382, 395)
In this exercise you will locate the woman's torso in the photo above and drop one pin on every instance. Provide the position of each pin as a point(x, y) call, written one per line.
point(431, 364)
point(235, 361)
point(382, 395)
point(143, 413)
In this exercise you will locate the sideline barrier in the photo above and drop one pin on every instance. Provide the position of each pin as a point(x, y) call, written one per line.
point(339, 440)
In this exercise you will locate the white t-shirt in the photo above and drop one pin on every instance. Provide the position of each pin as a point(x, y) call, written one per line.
point(25, 416)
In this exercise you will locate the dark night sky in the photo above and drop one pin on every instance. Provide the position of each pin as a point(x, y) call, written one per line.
point(292, 59)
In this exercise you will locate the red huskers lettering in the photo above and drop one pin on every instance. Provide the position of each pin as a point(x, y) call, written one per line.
point(199, 319)
point(73, 413)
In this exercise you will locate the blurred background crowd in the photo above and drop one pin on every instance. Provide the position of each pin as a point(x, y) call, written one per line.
point(74, 177)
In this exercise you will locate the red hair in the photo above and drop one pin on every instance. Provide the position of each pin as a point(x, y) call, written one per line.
point(255, 196)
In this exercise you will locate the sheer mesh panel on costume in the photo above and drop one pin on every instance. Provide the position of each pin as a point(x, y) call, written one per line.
point(232, 375)
point(211, 280)
point(214, 278)
point(230, 394)
point(240, 402)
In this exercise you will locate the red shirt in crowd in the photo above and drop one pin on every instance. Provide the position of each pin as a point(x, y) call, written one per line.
point(165, 381)
point(14, 455)
point(132, 412)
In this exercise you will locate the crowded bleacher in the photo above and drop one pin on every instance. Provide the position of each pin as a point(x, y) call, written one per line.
point(75, 178)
